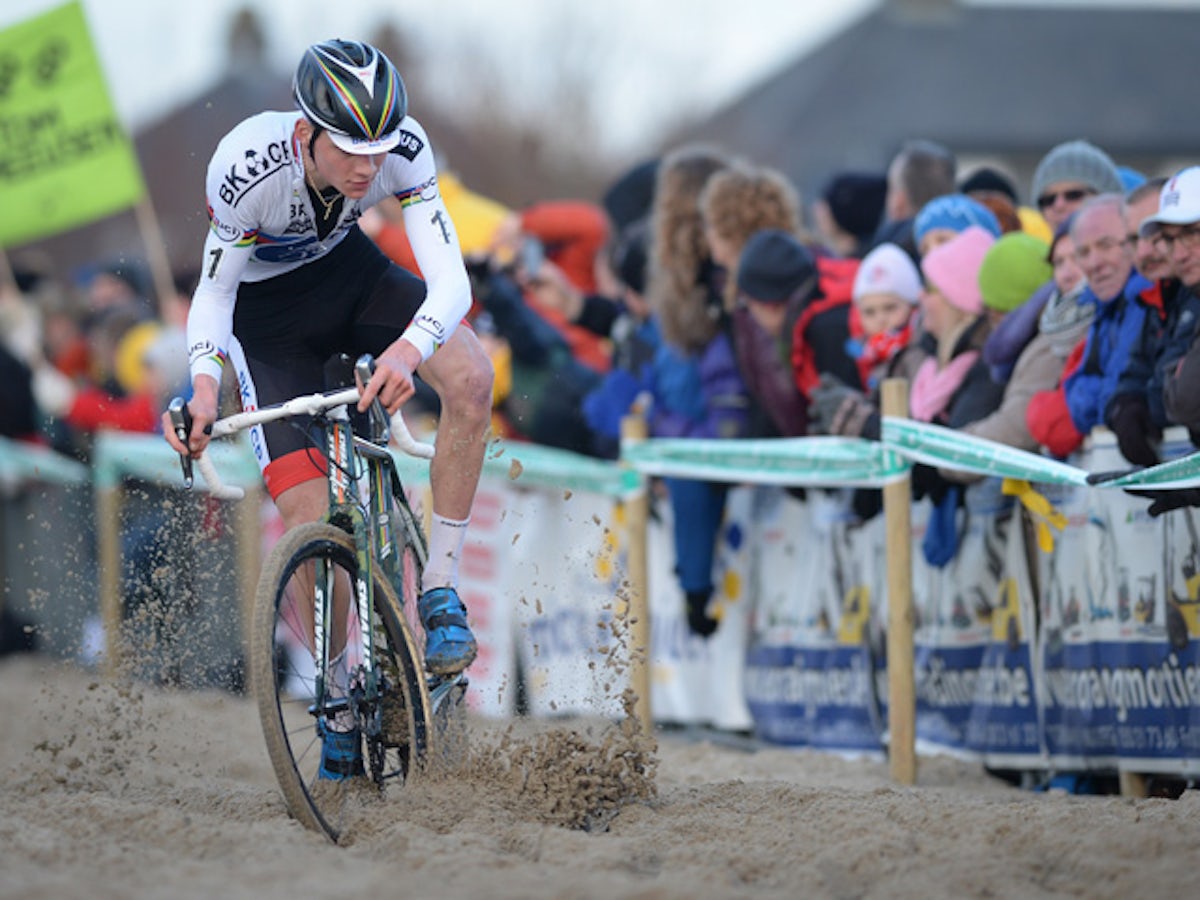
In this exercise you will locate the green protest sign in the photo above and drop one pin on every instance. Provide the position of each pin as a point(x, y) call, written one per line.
point(64, 158)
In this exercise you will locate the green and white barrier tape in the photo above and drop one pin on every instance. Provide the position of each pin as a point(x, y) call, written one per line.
point(536, 466)
point(148, 457)
point(852, 462)
point(21, 462)
point(1183, 472)
point(946, 448)
point(810, 461)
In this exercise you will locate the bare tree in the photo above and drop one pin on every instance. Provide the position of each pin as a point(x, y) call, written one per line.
point(517, 126)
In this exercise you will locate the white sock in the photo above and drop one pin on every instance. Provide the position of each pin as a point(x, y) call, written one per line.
point(446, 538)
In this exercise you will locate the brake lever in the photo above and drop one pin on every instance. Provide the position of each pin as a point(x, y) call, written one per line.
point(181, 424)
point(364, 368)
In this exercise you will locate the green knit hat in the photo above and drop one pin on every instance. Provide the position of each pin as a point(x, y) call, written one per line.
point(1014, 267)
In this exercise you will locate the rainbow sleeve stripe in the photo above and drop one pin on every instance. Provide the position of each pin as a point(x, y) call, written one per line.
point(410, 197)
point(224, 232)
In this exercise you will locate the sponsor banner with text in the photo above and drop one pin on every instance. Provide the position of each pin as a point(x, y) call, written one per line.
point(65, 160)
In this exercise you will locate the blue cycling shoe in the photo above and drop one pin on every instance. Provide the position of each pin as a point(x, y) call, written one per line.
point(341, 753)
point(449, 645)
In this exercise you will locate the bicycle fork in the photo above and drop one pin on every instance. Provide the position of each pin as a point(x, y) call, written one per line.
point(362, 686)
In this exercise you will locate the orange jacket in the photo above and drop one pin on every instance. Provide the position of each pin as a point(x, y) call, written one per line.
point(573, 233)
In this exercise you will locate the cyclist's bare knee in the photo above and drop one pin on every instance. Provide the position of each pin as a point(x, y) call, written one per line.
point(462, 375)
point(305, 502)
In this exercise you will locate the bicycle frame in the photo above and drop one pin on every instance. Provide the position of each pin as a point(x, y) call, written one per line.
point(367, 515)
point(350, 456)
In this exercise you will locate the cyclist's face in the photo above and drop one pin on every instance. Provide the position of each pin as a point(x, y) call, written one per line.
point(350, 173)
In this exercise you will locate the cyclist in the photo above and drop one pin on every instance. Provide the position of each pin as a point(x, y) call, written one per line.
point(289, 280)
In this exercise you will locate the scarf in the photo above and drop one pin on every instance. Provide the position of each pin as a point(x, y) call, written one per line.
point(1064, 320)
point(878, 350)
point(932, 388)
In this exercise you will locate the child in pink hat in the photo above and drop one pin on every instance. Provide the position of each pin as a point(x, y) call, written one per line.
point(952, 312)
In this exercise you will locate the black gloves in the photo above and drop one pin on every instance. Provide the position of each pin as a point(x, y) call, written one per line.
point(698, 618)
point(838, 409)
point(1165, 501)
point(1128, 416)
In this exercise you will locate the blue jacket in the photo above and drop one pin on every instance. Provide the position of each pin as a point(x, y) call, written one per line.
point(1114, 332)
point(632, 374)
point(701, 395)
point(1165, 338)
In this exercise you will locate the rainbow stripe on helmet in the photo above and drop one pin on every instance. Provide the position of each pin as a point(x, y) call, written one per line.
point(373, 132)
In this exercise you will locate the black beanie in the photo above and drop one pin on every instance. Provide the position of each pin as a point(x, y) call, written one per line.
point(988, 179)
point(629, 257)
point(631, 196)
point(773, 266)
point(855, 200)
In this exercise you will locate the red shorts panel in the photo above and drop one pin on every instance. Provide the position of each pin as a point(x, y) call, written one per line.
point(292, 469)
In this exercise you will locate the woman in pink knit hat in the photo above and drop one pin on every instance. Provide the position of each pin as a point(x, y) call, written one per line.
point(953, 386)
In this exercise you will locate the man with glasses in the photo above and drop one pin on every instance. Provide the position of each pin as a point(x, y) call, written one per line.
point(1175, 233)
point(1068, 175)
point(1136, 413)
point(1105, 254)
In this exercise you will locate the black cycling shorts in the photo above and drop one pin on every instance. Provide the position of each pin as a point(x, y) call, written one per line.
point(353, 300)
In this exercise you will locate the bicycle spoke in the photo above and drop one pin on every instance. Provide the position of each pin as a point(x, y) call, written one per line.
point(282, 645)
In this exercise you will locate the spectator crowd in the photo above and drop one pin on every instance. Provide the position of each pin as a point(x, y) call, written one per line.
point(700, 290)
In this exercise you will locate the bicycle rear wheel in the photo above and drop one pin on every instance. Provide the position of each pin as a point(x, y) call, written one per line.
point(284, 676)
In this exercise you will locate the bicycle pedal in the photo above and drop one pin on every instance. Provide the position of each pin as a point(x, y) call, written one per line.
point(331, 708)
point(445, 690)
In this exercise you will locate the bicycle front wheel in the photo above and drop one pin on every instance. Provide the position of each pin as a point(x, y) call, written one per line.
point(284, 670)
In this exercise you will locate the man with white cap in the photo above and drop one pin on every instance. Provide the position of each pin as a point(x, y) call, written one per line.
point(1175, 231)
point(1136, 413)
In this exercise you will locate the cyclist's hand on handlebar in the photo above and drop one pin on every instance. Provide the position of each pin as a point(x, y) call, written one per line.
point(203, 409)
point(393, 378)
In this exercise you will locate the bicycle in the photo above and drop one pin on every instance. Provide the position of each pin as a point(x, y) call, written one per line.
point(360, 567)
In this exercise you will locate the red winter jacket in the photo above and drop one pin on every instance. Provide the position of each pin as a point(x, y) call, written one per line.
point(822, 329)
point(1048, 417)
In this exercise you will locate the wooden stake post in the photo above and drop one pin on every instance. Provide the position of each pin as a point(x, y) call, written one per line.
point(109, 501)
point(897, 508)
point(636, 606)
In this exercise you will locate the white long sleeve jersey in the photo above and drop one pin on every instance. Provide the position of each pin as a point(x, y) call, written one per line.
point(262, 224)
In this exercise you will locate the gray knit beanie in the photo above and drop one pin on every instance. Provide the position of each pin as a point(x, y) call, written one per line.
point(1077, 161)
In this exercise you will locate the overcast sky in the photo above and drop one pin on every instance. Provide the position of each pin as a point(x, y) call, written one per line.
point(689, 55)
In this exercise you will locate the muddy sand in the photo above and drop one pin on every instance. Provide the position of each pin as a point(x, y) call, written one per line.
point(132, 791)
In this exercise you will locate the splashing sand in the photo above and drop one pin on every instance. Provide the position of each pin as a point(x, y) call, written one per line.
point(125, 790)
